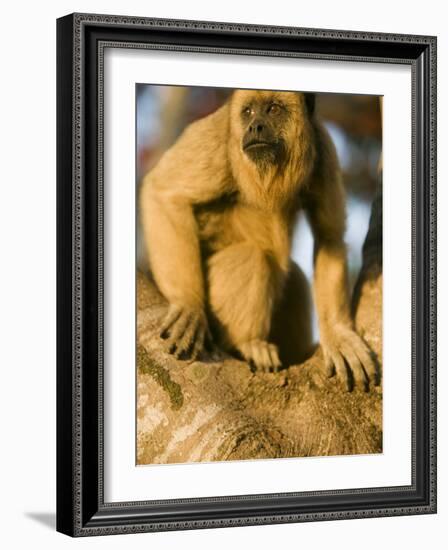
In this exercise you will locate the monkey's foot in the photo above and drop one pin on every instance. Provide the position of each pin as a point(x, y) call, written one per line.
point(346, 353)
point(185, 331)
point(261, 354)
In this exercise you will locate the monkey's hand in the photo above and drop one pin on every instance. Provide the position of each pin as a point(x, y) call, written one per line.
point(346, 353)
point(261, 354)
point(185, 331)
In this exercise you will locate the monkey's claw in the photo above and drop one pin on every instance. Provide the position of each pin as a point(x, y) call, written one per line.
point(185, 331)
point(262, 354)
point(347, 355)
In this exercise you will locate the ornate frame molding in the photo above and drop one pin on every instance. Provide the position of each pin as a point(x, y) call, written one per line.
point(81, 42)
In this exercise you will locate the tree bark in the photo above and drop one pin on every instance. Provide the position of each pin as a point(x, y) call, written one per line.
point(219, 409)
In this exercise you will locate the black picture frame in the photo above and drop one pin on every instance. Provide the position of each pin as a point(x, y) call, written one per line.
point(81, 510)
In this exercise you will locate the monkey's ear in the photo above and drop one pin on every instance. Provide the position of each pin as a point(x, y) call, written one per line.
point(310, 102)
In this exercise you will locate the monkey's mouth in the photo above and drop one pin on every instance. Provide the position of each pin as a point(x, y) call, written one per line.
point(255, 144)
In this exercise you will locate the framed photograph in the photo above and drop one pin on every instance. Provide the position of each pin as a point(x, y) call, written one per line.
point(246, 274)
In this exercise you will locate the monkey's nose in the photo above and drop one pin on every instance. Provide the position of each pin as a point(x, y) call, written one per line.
point(256, 127)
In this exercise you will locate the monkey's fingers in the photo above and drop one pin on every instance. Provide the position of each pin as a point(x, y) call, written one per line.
point(341, 369)
point(174, 312)
point(177, 331)
point(273, 354)
point(368, 362)
point(248, 353)
point(261, 354)
point(329, 368)
point(198, 343)
point(186, 341)
point(356, 368)
point(359, 359)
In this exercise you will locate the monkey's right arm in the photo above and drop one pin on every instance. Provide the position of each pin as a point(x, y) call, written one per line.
point(188, 174)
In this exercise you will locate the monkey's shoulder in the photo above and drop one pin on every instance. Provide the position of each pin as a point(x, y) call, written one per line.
point(200, 152)
point(206, 136)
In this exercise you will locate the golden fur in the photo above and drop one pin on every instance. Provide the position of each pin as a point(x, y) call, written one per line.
point(218, 224)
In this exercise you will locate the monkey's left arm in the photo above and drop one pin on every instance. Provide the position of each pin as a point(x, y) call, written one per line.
point(344, 350)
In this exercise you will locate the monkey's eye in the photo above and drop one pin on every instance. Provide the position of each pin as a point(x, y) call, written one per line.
point(274, 109)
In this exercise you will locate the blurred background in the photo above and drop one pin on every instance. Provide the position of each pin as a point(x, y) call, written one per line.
point(354, 122)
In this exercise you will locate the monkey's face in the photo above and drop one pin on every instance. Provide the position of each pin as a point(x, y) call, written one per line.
point(267, 123)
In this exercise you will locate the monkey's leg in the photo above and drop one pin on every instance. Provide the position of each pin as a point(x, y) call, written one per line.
point(243, 284)
point(291, 327)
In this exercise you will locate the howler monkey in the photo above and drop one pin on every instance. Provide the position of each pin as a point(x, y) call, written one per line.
point(218, 213)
